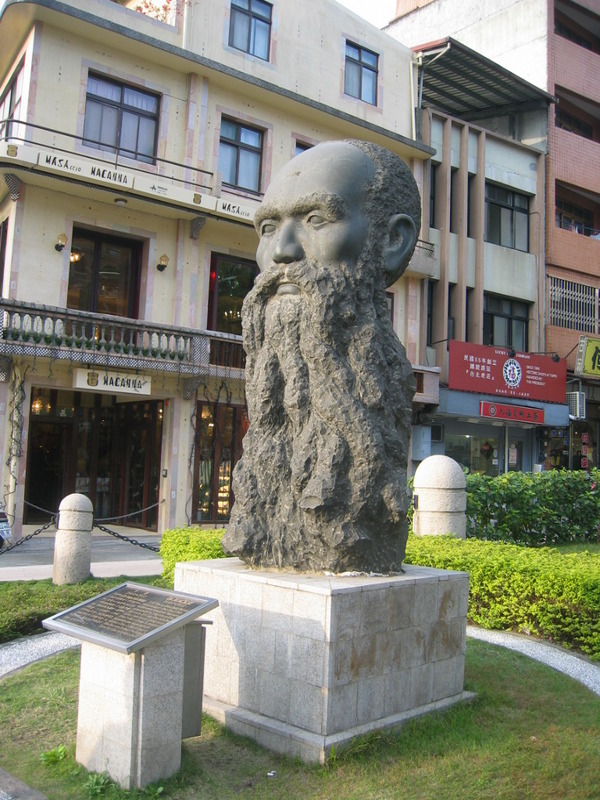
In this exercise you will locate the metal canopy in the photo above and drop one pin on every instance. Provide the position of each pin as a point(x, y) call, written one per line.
point(465, 84)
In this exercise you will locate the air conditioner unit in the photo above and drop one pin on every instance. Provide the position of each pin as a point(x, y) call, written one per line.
point(576, 402)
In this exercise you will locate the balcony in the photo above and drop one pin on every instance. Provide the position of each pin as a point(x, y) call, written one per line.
point(424, 263)
point(34, 331)
point(32, 153)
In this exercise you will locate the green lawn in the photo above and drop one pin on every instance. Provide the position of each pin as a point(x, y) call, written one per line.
point(531, 734)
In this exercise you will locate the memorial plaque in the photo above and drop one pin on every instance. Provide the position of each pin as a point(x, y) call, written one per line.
point(130, 616)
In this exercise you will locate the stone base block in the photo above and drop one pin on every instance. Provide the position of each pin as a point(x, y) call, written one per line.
point(129, 719)
point(301, 662)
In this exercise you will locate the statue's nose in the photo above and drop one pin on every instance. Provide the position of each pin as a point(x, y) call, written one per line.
point(287, 245)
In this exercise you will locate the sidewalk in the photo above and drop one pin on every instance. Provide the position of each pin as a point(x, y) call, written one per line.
point(111, 557)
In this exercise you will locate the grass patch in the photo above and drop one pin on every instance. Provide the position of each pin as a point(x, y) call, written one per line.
point(24, 604)
point(532, 733)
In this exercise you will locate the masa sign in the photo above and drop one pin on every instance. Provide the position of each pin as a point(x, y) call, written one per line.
point(108, 380)
point(491, 370)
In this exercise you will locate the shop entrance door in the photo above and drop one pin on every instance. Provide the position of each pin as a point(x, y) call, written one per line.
point(88, 443)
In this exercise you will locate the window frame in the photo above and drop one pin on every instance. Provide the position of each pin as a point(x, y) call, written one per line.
point(11, 119)
point(515, 214)
point(575, 218)
point(216, 260)
point(3, 242)
point(512, 318)
point(99, 240)
point(362, 68)
point(121, 107)
point(250, 10)
point(242, 147)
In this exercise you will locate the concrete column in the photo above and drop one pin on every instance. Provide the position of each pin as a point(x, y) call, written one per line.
point(73, 542)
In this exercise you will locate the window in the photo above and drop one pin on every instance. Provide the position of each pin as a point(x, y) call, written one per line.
point(505, 322)
point(361, 73)
point(240, 155)
point(301, 147)
point(218, 446)
point(574, 218)
point(432, 184)
point(230, 281)
point(104, 274)
point(580, 33)
point(454, 210)
point(573, 124)
point(10, 105)
point(250, 27)
point(574, 305)
point(3, 235)
point(475, 452)
point(506, 218)
point(120, 119)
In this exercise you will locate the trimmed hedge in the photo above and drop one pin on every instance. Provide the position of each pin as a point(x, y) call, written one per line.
point(534, 508)
point(543, 592)
point(189, 544)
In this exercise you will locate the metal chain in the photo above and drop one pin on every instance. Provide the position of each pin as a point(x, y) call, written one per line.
point(27, 538)
point(127, 538)
point(132, 514)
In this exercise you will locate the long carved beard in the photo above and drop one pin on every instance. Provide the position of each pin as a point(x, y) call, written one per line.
point(322, 481)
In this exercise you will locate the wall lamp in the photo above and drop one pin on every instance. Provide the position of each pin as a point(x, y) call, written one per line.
point(61, 241)
point(163, 263)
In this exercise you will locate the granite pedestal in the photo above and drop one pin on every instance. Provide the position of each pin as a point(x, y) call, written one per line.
point(302, 663)
point(130, 711)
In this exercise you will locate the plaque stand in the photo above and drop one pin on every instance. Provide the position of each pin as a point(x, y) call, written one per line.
point(141, 679)
point(129, 722)
point(303, 663)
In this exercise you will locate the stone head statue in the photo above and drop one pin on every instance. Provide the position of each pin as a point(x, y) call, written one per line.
point(321, 484)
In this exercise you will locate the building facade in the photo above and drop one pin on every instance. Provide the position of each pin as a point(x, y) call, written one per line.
point(134, 150)
point(556, 46)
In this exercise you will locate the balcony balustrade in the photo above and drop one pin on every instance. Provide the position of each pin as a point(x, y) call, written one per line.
point(38, 331)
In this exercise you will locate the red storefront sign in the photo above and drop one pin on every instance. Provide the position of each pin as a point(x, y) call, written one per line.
point(504, 411)
point(490, 370)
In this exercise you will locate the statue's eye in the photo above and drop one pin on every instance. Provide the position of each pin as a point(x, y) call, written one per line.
point(316, 220)
point(267, 228)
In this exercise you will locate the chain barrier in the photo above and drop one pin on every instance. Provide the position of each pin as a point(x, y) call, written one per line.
point(45, 527)
point(96, 524)
point(127, 539)
point(132, 514)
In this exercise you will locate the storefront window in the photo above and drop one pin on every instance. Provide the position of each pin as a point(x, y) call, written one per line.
point(219, 432)
point(479, 454)
point(88, 443)
point(574, 448)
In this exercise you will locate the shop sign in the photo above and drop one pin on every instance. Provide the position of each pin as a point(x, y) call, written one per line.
point(587, 362)
point(510, 413)
point(491, 370)
point(150, 186)
point(112, 382)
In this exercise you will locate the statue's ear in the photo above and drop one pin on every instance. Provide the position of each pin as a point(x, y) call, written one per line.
point(399, 245)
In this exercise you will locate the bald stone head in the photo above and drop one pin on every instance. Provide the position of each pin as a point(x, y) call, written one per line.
point(335, 199)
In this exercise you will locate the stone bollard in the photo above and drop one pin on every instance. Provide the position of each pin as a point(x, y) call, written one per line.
point(73, 542)
point(440, 498)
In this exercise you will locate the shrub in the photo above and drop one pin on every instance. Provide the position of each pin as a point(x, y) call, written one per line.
point(534, 508)
point(189, 544)
point(543, 592)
